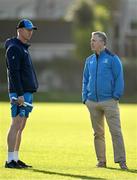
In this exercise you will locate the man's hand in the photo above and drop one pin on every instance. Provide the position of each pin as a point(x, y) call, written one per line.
point(20, 100)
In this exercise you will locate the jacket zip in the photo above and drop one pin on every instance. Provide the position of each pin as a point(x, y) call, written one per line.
point(96, 79)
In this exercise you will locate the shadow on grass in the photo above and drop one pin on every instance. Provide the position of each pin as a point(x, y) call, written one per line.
point(66, 174)
point(134, 171)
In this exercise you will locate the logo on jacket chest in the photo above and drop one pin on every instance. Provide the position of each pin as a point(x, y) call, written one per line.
point(91, 62)
point(25, 51)
point(13, 57)
point(105, 61)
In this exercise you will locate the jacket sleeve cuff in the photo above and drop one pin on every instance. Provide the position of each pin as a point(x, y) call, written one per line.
point(84, 101)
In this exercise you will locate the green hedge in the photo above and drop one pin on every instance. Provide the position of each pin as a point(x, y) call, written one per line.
point(69, 71)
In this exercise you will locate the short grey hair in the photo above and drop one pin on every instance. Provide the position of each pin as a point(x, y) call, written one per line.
point(102, 35)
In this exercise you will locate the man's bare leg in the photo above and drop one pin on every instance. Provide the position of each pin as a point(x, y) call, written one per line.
point(11, 138)
point(18, 138)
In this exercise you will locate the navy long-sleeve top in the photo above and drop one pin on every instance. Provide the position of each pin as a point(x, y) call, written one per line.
point(20, 71)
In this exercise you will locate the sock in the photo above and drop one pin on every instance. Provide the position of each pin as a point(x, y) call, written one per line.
point(16, 158)
point(10, 156)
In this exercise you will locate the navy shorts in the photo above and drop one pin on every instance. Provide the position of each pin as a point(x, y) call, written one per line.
point(21, 110)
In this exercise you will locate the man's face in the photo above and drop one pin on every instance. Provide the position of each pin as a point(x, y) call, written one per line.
point(26, 34)
point(96, 43)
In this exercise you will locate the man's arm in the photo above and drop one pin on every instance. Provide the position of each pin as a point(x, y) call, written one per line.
point(85, 82)
point(117, 70)
point(14, 63)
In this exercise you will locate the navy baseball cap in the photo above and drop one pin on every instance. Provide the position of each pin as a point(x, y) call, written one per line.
point(27, 24)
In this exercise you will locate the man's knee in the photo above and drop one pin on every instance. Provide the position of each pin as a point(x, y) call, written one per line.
point(23, 124)
point(99, 135)
point(15, 126)
point(21, 129)
point(116, 133)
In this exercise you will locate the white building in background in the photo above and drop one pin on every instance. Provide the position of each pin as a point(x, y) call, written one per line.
point(129, 16)
point(12, 9)
point(43, 9)
point(52, 9)
point(127, 27)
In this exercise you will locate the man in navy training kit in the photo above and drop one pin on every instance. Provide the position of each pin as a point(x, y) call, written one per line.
point(102, 88)
point(22, 83)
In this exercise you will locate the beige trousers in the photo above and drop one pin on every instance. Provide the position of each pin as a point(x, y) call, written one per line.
point(109, 109)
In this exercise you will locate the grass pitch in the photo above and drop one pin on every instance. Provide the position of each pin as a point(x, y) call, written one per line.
point(58, 142)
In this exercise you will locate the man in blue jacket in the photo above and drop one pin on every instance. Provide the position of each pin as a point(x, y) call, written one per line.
point(22, 83)
point(102, 88)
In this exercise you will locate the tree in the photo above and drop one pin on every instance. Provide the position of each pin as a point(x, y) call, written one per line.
point(102, 18)
point(87, 16)
point(83, 25)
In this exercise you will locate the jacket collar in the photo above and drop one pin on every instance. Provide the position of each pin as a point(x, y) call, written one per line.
point(101, 53)
point(25, 45)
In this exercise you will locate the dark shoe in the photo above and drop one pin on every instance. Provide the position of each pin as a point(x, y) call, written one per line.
point(123, 165)
point(12, 164)
point(101, 165)
point(22, 164)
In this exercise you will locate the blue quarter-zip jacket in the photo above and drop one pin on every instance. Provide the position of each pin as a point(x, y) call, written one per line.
point(102, 77)
point(21, 74)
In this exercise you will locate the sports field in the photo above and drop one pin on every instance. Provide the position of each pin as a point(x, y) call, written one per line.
point(58, 142)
